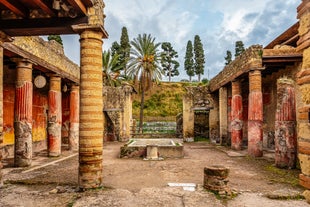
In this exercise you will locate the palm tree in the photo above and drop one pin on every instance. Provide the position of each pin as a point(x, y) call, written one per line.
point(111, 69)
point(144, 64)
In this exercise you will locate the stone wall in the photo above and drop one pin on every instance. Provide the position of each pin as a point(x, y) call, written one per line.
point(198, 99)
point(250, 59)
point(48, 54)
point(118, 112)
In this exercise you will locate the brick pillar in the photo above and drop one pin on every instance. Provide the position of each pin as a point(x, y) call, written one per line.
point(236, 116)
point(1, 110)
point(303, 80)
point(223, 115)
point(54, 117)
point(91, 110)
point(255, 114)
point(285, 125)
point(74, 118)
point(23, 114)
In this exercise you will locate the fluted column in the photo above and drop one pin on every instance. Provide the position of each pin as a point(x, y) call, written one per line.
point(74, 118)
point(303, 80)
point(91, 110)
point(285, 125)
point(54, 117)
point(255, 114)
point(223, 114)
point(236, 116)
point(23, 114)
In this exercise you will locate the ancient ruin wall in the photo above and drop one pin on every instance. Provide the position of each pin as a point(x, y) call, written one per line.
point(118, 111)
point(48, 54)
point(250, 59)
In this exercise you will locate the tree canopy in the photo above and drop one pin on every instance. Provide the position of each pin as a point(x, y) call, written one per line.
point(228, 57)
point(144, 64)
point(239, 48)
point(124, 50)
point(57, 38)
point(111, 69)
point(168, 60)
point(199, 57)
point(189, 61)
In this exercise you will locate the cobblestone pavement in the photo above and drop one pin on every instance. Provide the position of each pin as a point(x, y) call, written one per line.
point(134, 182)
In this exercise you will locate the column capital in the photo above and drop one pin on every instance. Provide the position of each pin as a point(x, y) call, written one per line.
point(75, 87)
point(22, 62)
point(255, 80)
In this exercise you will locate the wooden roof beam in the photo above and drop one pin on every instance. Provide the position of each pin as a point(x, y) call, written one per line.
point(16, 8)
point(78, 6)
point(46, 8)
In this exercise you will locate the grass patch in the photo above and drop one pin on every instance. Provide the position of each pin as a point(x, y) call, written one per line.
point(164, 100)
point(283, 175)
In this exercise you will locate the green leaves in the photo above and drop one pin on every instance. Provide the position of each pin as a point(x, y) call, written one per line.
point(199, 57)
point(111, 68)
point(189, 61)
point(168, 60)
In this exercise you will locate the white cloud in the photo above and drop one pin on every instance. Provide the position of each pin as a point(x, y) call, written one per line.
point(219, 23)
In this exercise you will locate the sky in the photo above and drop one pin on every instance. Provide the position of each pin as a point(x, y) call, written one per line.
point(219, 23)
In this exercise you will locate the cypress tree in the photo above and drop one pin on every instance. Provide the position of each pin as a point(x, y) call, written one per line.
point(239, 48)
point(189, 61)
point(228, 57)
point(199, 57)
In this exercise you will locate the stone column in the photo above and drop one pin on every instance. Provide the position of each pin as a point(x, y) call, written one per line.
point(255, 114)
point(127, 113)
point(285, 125)
point(91, 110)
point(74, 118)
point(303, 80)
point(188, 118)
point(54, 117)
point(236, 116)
point(223, 115)
point(23, 113)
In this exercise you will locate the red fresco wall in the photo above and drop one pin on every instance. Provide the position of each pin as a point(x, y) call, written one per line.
point(39, 122)
point(65, 104)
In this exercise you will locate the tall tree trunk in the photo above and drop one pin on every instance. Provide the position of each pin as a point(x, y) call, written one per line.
point(190, 78)
point(141, 110)
point(170, 75)
point(198, 77)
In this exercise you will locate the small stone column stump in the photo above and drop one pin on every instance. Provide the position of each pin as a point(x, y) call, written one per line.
point(215, 180)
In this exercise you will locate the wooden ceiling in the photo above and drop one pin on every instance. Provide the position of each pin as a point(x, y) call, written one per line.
point(42, 17)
